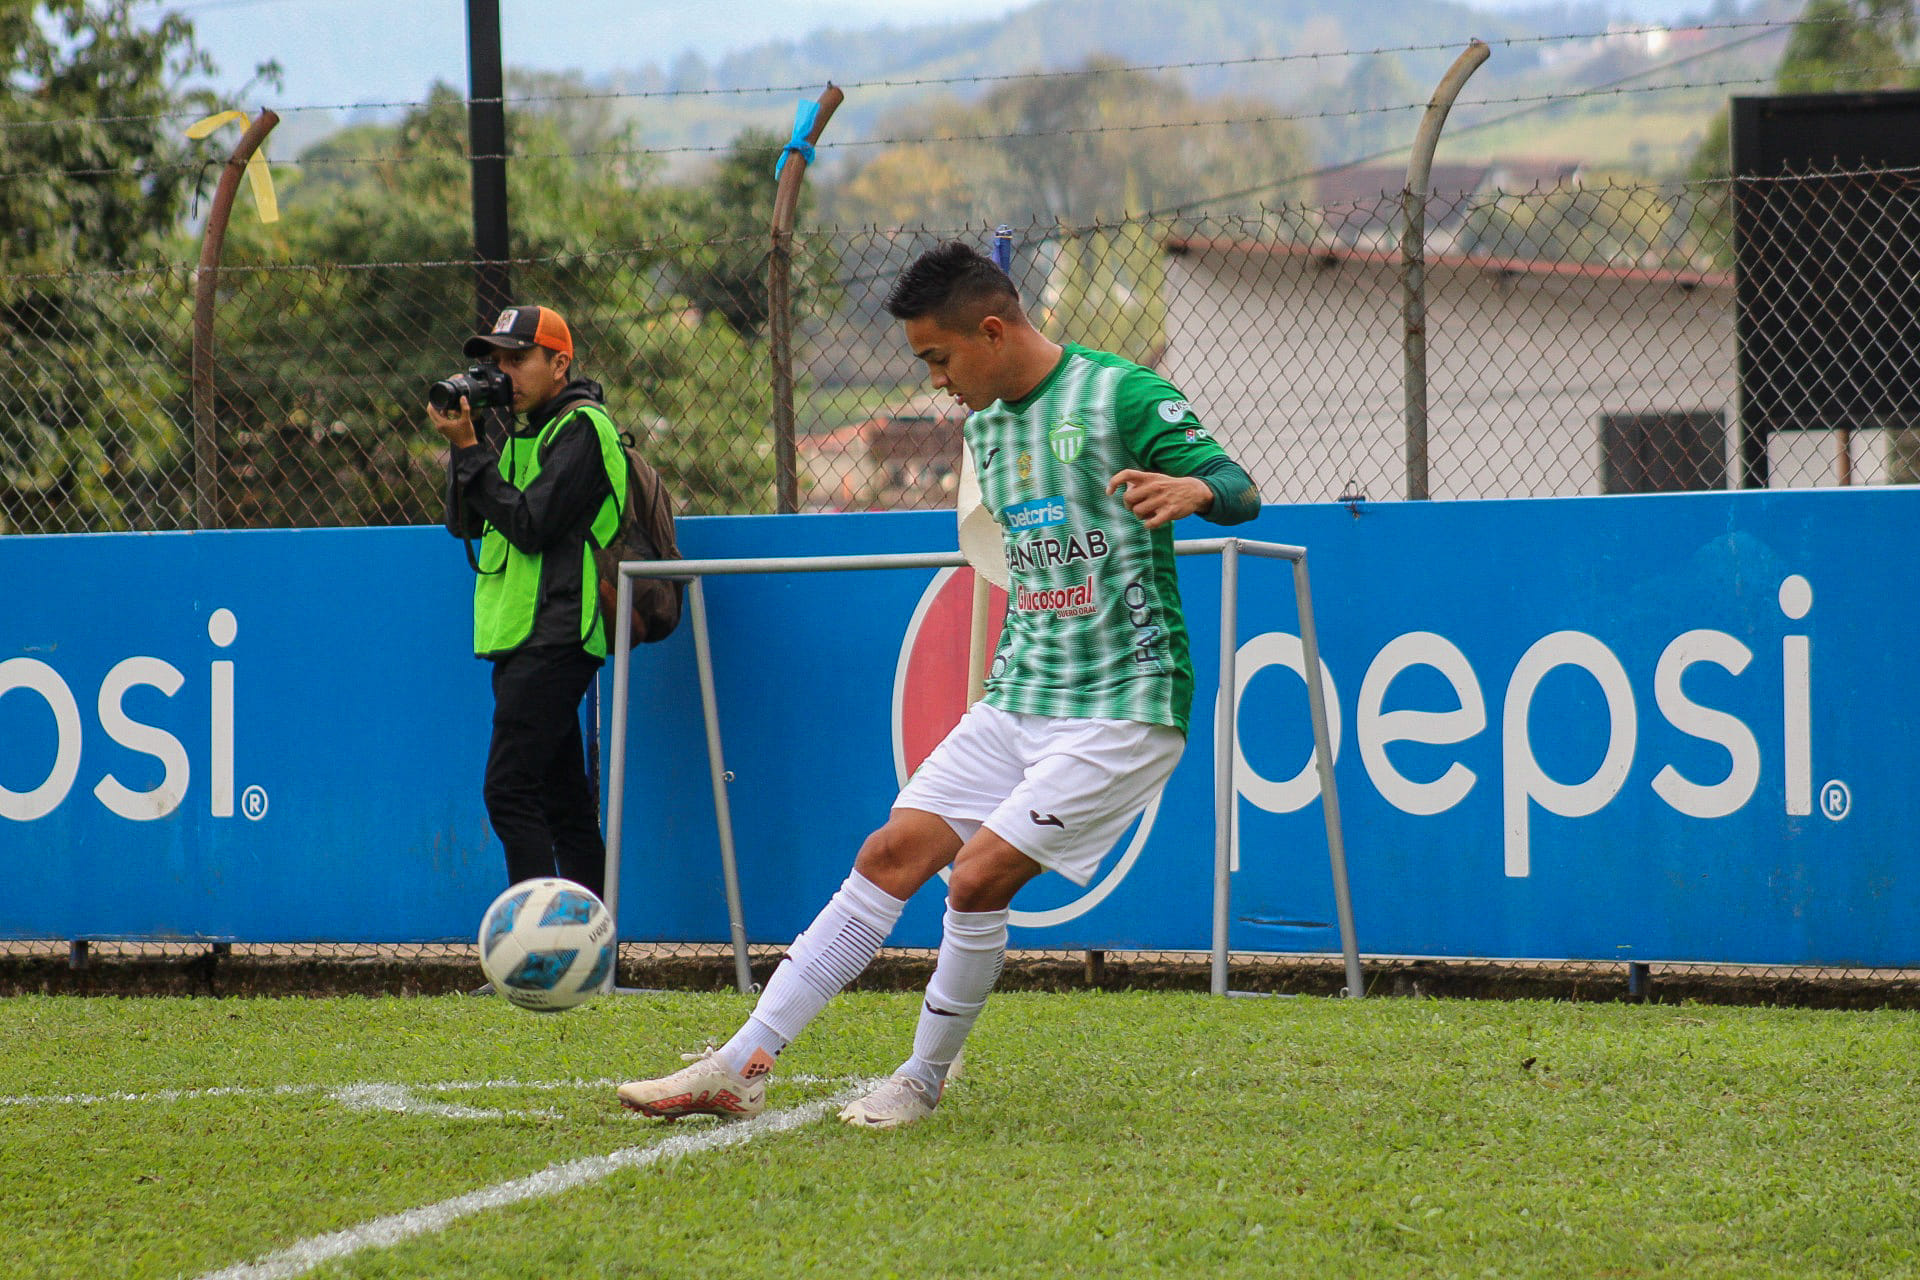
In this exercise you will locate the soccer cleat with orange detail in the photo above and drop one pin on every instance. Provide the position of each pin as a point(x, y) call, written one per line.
point(709, 1087)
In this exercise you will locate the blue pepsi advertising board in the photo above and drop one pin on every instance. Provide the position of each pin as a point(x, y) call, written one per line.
point(1653, 728)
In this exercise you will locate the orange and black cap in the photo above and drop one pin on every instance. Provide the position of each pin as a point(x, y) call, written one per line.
point(521, 327)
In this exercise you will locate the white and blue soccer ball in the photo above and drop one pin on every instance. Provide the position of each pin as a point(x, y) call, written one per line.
point(547, 944)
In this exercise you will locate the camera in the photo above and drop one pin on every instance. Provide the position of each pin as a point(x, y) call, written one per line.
point(484, 386)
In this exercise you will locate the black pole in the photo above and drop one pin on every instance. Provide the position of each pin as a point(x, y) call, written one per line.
point(487, 141)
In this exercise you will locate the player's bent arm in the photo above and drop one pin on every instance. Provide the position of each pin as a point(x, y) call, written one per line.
point(1236, 500)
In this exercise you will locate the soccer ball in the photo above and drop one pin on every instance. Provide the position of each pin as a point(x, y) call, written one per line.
point(547, 945)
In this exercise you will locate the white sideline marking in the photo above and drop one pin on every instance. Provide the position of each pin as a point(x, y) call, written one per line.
point(358, 1095)
point(402, 1100)
point(379, 1233)
point(341, 1092)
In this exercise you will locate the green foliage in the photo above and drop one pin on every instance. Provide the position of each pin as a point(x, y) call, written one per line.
point(1847, 45)
point(302, 402)
point(1101, 145)
point(1598, 223)
point(1371, 89)
point(1140, 1134)
point(97, 171)
point(1107, 290)
point(1837, 46)
point(726, 224)
point(86, 84)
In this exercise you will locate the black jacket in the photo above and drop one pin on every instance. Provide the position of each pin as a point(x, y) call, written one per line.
point(550, 517)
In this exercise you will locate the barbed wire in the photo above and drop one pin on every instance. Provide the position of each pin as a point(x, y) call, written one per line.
point(1040, 231)
point(668, 240)
point(1473, 126)
point(1537, 101)
point(1768, 26)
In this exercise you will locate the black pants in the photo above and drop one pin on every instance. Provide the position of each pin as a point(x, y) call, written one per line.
point(539, 798)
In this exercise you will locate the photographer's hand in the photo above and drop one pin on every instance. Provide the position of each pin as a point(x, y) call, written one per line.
point(456, 427)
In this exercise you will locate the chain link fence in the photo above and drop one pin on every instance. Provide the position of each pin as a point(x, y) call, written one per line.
point(1582, 340)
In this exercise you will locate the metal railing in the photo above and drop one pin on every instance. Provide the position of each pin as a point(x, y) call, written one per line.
point(1229, 551)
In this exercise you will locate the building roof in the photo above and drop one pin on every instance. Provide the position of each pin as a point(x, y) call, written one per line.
point(1363, 202)
point(922, 426)
point(1492, 265)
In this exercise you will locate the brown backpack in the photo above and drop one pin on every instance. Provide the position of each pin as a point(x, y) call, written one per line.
point(645, 533)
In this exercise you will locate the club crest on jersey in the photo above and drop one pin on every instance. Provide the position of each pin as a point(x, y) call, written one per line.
point(1067, 439)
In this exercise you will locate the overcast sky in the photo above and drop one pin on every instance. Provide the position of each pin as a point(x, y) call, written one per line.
point(344, 51)
point(349, 51)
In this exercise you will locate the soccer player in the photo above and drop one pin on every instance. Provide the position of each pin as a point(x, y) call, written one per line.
point(1086, 459)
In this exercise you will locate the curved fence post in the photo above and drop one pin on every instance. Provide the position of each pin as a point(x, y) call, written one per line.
point(786, 202)
point(1413, 257)
point(206, 448)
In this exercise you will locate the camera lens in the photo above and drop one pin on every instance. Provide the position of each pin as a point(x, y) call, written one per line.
point(445, 394)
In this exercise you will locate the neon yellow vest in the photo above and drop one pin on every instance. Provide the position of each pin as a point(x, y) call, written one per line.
point(507, 592)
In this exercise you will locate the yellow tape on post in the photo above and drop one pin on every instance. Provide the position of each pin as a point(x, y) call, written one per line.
point(258, 175)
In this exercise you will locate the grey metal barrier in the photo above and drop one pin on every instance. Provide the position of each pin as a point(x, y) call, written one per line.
point(1228, 549)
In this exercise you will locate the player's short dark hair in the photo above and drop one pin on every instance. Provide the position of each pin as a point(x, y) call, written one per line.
point(956, 284)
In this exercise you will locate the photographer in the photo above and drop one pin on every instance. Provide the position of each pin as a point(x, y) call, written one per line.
point(538, 505)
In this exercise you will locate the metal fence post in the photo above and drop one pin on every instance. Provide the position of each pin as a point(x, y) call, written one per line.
point(786, 202)
point(1413, 253)
point(206, 447)
point(487, 141)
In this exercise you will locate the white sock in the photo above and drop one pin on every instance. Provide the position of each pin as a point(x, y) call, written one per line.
point(973, 946)
point(834, 950)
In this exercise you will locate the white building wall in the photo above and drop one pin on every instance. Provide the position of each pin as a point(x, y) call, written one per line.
point(1297, 362)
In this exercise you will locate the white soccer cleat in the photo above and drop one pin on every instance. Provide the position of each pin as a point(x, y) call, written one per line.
point(898, 1101)
point(709, 1087)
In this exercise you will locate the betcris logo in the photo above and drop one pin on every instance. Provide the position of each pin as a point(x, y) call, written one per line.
point(1526, 785)
point(1041, 513)
point(54, 777)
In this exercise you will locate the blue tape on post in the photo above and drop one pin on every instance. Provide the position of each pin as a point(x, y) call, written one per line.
point(803, 117)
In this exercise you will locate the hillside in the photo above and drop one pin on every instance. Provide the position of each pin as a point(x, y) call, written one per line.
point(887, 68)
point(1292, 54)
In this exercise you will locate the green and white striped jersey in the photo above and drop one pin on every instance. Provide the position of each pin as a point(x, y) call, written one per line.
point(1093, 625)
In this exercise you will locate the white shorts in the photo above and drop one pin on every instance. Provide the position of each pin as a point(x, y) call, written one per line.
point(1060, 791)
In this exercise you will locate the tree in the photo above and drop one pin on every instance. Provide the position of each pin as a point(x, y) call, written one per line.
point(324, 370)
point(1102, 144)
point(726, 223)
point(1107, 290)
point(1837, 46)
point(1599, 222)
point(96, 174)
point(1364, 120)
point(1847, 45)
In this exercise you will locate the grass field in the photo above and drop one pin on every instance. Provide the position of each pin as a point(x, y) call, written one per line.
point(1092, 1135)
